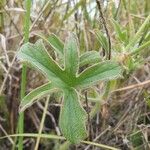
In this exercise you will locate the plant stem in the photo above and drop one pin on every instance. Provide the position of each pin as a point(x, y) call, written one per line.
point(105, 27)
point(24, 70)
point(88, 113)
point(42, 123)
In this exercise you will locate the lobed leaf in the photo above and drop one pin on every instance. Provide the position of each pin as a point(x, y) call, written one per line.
point(72, 117)
point(38, 57)
point(71, 55)
point(33, 96)
point(107, 70)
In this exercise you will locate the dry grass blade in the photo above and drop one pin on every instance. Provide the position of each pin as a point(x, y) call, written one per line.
point(48, 136)
point(139, 85)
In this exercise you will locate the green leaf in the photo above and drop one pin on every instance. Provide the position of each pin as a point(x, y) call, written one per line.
point(137, 36)
point(38, 57)
point(102, 39)
point(72, 117)
point(107, 70)
point(117, 27)
point(56, 43)
point(89, 57)
point(119, 31)
point(33, 96)
point(71, 55)
point(141, 48)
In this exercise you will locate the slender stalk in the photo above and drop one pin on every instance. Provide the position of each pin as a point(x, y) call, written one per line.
point(42, 123)
point(88, 113)
point(105, 27)
point(24, 70)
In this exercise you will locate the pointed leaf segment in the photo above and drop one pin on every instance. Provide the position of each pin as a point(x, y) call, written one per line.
point(104, 71)
point(39, 92)
point(72, 117)
point(71, 55)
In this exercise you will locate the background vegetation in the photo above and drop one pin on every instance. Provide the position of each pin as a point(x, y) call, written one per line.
point(118, 111)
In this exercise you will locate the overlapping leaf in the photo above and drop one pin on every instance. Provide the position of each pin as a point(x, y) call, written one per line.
point(121, 33)
point(102, 40)
point(89, 58)
point(56, 43)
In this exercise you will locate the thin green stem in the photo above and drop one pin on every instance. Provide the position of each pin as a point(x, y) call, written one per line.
point(42, 123)
point(24, 70)
point(27, 21)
